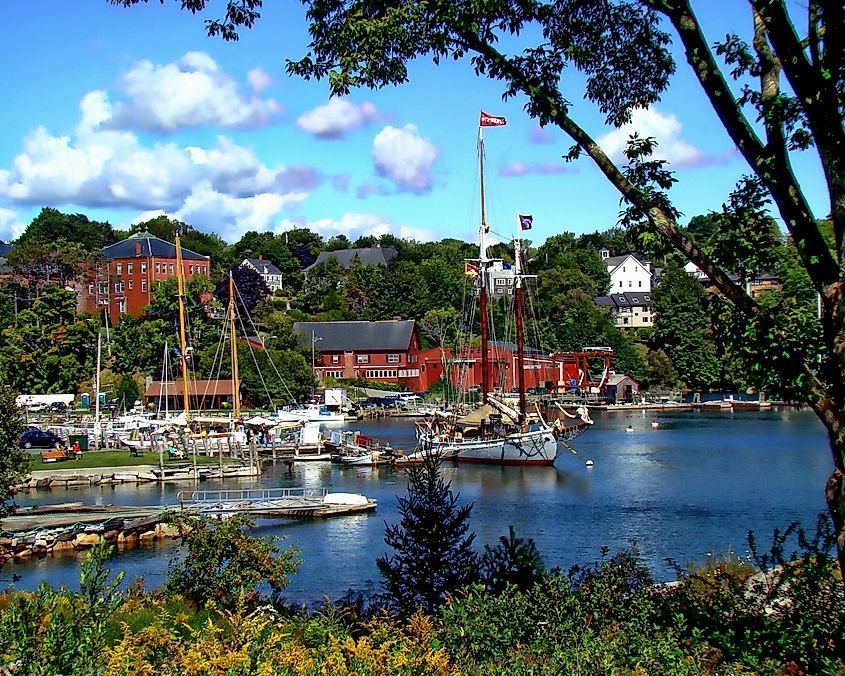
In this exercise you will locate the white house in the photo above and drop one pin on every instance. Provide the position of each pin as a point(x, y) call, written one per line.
point(627, 273)
point(271, 275)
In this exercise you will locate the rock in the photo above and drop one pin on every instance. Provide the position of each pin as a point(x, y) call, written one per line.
point(63, 546)
point(85, 540)
point(111, 535)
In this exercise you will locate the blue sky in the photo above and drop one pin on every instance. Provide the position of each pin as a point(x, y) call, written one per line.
point(123, 114)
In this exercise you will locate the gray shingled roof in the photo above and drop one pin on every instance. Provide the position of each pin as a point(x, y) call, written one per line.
point(150, 246)
point(5, 249)
point(263, 266)
point(627, 299)
point(370, 256)
point(356, 336)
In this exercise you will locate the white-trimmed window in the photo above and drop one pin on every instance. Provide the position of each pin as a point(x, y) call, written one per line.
point(190, 269)
point(393, 359)
point(122, 305)
point(335, 359)
point(143, 267)
point(118, 269)
point(118, 287)
point(171, 269)
point(362, 359)
point(130, 268)
point(144, 285)
point(130, 285)
point(158, 268)
point(90, 288)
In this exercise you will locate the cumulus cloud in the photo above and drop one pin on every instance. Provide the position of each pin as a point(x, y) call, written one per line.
point(355, 225)
point(524, 169)
point(368, 188)
point(406, 158)
point(192, 92)
point(230, 216)
point(336, 119)
point(341, 182)
point(259, 79)
point(667, 130)
point(11, 226)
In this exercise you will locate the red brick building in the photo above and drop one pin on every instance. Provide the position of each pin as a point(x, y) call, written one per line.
point(388, 351)
point(124, 281)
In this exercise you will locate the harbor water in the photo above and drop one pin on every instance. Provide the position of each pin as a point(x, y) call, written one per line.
point(688, 489)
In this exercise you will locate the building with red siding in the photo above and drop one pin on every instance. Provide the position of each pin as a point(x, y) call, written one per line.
point(124, 280)
point(388, 351)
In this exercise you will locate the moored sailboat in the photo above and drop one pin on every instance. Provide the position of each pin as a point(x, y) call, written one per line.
point(497, 433)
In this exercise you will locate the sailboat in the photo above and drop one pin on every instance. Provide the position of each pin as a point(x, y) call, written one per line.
point(497, 433)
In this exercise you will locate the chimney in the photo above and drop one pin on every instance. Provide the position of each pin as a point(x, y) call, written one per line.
point(138, 248)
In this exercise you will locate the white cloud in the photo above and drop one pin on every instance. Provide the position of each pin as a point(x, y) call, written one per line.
point(11, 226)
point(259, 79)
point(191, 92)
point(355, 225)
point(667, 130)
point(336, 119)
point(404, 157)
point(230, 217)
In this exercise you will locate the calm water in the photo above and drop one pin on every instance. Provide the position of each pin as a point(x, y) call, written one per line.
point(695, 485)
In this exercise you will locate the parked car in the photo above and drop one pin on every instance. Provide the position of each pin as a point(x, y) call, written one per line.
point(35, 438)
point(58, 407)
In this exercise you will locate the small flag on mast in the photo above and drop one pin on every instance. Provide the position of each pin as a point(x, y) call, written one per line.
point(471, 269)
point(525, 222)
point(491, 120)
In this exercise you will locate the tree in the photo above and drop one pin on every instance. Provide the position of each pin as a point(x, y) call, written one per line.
point(224, 561)
point(250, 289)
point(14, 461)
point(433, 553)
point(682, 329)
point(622, 49)
point(440, 325)
point(513, 561)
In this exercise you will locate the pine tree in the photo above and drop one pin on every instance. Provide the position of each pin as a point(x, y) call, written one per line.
point(433, 553)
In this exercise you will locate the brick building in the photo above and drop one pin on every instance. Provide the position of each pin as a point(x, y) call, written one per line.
point(123, 282)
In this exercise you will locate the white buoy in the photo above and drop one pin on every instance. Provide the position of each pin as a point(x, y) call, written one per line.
point(589, 463)
point(655, 424)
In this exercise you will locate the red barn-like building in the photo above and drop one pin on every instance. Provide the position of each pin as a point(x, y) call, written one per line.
point(388, 351)
point(123, 283)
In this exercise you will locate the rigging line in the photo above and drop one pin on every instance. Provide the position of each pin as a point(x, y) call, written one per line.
point(217, 361)
point(257, 367)
point(269, 359)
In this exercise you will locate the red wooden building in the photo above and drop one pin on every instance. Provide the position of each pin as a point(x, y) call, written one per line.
point(388, 351)
point(562, 372)
point(124, 281)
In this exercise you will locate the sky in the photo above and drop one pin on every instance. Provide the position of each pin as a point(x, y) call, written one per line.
point(125, 114)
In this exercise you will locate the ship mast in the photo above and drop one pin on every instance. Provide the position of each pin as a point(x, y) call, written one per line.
point(182, 343)
point(482, 278)
point(236, 399)
point(520, 336)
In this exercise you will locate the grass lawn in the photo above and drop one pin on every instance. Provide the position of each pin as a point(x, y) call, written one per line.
point(118, 458)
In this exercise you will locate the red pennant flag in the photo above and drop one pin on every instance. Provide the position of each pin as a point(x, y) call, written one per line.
point(471, 269)
point(491, 120)
point(525, 222)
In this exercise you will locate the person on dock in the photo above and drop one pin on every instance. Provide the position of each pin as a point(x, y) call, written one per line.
point(76, 449)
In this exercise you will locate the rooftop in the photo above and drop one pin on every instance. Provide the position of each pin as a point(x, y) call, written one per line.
point(356, 336)
point(150, 246)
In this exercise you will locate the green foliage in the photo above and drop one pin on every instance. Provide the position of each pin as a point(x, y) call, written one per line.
point(91, 236)
point(138, 345)
point(126, 392)
point(51, 348)
point(14, 461)
point(513, 561)
point(60, 631)
point(432, 547)
point(682, 329)
point(224, 562)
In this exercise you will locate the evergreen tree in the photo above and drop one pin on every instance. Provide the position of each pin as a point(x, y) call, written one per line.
point(513, 561)
point(433, 553)
point(14, 462)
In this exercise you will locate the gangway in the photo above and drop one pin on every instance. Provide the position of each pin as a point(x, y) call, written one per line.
point(273, 502)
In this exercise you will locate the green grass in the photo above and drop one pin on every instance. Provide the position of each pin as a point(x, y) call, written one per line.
point(119, 458)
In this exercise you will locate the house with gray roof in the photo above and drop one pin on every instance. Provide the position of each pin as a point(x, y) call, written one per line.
point(387, 351)
point(271, 275)
point(374, 255)
point(630, 310)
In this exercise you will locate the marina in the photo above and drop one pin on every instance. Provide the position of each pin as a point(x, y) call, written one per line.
point(692, 487)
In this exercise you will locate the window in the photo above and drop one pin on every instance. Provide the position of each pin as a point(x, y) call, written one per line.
point(130, 285)
point(171, 268)
point(158, 268)
point(104, 288)
point(143, 267)
point(190, 269)
point(118, 287)
point(335, 359)
point(620, 283)
point(623, 268)
point(204, 269)
point(130, 268)
point(640, 284)
point(91, 288)
point(645, 319)
point(393, 359)
point(412, 359)
point(630, 283)
point(118, 269)
point(122, 305)
point(144, 285)
point(362, 359)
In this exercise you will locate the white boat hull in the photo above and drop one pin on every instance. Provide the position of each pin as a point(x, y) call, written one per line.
point(535, 447)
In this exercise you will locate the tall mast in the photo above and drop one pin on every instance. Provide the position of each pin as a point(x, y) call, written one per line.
point(236, 399)
point(482, 277)
point(181, 286)
point(97, 393)
point(520, 337)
